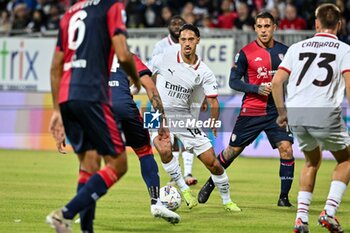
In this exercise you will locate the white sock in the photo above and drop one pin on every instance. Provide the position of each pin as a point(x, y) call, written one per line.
point(304, 200)
point(176, 154)
point(335, 195)
point(174, 170)
point(221, 182)
point(188, 162)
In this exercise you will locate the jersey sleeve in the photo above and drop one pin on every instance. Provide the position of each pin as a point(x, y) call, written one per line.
point(116, 18)
point(154, 63)
point(210, 85)
point(286, 63)
point(239, 70)
point(141, 68)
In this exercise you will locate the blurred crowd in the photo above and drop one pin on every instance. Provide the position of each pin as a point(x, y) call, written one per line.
point(44, 15)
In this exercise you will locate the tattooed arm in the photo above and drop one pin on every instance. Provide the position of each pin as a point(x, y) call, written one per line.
point(152, 93)
point(156, 101)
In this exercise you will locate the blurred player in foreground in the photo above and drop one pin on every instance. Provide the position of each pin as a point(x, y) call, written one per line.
point(90, 32)
point(128, 115)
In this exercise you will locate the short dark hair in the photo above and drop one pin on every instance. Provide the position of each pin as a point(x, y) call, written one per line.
point(265, 15)
point(190, 27)
point(177, 17)
point(329, 15)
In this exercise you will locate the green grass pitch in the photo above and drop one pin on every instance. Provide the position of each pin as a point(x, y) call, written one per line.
point(32, 183)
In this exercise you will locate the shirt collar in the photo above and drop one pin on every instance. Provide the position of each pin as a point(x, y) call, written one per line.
point(194, 66)
point(170, 41)
point(324, 34)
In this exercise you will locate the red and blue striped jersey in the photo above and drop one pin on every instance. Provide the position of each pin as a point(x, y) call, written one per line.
point(119, 82)
point(84, 37)
point(257, 65)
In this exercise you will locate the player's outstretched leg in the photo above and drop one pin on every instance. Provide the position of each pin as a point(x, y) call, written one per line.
point(86, 216)
point(174, 170)
point(219, 177)
point(209, 186)
point(95, 188)
point(172, 167)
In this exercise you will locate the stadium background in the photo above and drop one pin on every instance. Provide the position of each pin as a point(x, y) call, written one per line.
point(26, 51)
point(36, 180)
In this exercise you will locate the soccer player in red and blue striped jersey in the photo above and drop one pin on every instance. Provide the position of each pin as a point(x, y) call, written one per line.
point(257, 63)
point(90, 32)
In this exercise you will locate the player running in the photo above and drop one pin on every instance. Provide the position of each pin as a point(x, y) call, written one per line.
point(173, 40)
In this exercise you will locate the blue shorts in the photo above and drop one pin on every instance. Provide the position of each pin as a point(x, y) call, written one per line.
point(132, 124)
point(92, 126)
point(248, 128)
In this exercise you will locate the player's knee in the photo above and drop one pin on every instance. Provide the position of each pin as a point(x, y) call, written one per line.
point(286, 151)
point(165, 154)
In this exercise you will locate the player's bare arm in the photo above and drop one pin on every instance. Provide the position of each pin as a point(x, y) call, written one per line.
point(125, 58)
point(156, 102)
point(204, 106)
point(214, 111)
point(56, 125)
point(277, 92)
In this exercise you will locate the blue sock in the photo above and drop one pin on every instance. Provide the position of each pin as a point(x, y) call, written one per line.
point(87, 196)
point(286, 175)
point(224, 163)
point(149, 171)
point(87, 215)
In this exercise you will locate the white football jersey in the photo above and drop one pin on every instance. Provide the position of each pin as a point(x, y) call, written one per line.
point(180, 84)
point(168, 44)
point(315, 66)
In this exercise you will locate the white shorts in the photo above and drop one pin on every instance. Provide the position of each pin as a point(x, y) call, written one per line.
point(195, 141)
point(328, 139)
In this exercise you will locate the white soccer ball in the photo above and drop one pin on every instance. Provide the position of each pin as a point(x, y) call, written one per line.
point(170, 197)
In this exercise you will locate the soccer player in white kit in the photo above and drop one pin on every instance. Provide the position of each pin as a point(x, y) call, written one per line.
point(317, 71)
point(172, 40)
point(181, 75)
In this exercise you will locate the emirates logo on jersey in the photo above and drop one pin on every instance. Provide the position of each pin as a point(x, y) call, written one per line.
point(262, 72)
